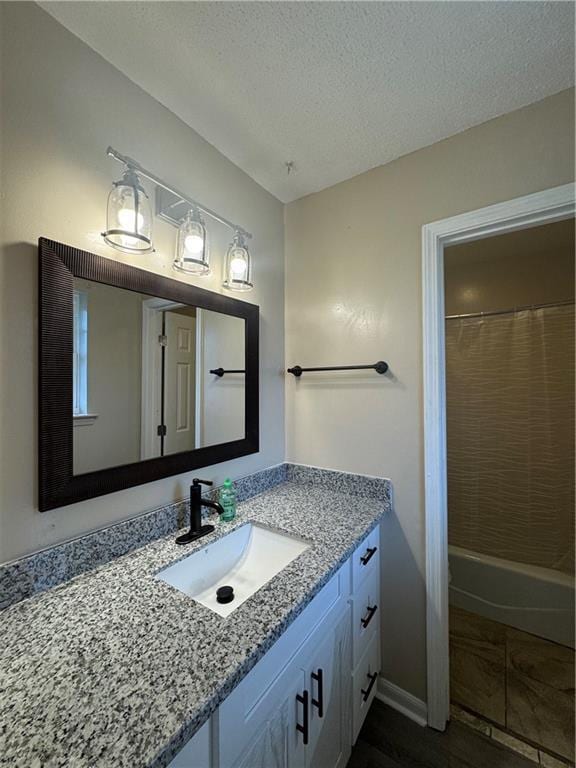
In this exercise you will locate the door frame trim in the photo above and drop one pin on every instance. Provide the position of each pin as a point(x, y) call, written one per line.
point(543, 207)
point(150, 400)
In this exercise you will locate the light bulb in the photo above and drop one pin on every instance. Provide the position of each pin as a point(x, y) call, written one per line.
point(194, 243)
point(238, 267)
point(237, 273)
point(128, 216)
point(126, 219)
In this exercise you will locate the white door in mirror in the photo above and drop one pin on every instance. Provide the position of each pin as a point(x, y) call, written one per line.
point(179, 382)
point(245, 560)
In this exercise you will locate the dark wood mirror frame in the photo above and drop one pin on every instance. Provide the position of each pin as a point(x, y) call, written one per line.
point(59, 265)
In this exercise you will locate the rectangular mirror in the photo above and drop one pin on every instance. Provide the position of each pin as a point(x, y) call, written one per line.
point(141, 376)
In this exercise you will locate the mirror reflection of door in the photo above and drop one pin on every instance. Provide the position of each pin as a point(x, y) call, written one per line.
point(179, 380)
point(142, 377)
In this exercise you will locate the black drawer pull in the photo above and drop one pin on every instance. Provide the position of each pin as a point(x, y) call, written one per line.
point(303, 728)
point(366, 693)
point(319, 702)
point(368, 618)
point(365, 559)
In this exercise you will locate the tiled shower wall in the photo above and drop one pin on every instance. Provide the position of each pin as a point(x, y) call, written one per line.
point(510, 422)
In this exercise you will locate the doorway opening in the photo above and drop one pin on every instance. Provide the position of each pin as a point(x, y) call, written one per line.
point(547, 207)
point(509, 335)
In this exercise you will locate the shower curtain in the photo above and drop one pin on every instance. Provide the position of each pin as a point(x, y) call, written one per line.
point(510, 429)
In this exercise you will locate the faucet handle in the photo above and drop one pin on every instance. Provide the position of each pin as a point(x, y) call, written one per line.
point(198, 482)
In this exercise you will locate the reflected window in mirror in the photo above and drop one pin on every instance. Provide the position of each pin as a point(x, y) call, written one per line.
point(80, 355)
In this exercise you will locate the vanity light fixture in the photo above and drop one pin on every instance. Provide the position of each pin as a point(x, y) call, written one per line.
point(129, 225)
point(192, 245)
point(238, 268)
point(128, 215)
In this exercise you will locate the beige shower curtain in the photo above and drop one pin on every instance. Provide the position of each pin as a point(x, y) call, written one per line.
point(510, 426)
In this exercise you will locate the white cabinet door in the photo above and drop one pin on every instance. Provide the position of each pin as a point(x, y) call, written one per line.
point(278, 678)
point(256, 716)
point(328, 682)
point(278, 739)
point(196, 753)
point(298, 732)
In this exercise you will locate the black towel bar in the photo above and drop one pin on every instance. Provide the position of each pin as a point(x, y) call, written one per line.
point(220, 371)
point(379, 367)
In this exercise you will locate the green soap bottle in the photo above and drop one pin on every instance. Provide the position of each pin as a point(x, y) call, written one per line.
point(228, 500)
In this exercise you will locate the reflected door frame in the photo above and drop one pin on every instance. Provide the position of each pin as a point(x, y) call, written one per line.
point(152, 310)
point(540, 208)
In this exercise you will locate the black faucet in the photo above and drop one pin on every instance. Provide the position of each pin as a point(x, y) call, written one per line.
point(197, 530)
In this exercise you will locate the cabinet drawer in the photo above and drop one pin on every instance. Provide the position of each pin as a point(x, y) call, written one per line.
point(365, 615)
point(364, 684)
point(366, 558)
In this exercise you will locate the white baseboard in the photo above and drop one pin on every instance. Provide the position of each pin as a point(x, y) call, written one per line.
point(402, 701)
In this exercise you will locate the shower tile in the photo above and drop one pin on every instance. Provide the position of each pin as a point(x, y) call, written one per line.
point(540, 691)
point(477, 664)
point(540, 659)
point(516, 744)
point(472, 626)
point(552, 762)
point(541, 713)
point(463, 716)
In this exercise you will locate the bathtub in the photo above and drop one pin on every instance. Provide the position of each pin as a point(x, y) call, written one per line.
point(534, 599)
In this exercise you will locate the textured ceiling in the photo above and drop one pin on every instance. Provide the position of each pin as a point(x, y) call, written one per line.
point(335, 87)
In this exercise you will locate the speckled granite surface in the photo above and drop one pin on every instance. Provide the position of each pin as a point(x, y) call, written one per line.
point(43, 570)
point(117, 668)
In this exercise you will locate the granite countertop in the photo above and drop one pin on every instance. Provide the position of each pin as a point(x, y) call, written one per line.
point(118, 668)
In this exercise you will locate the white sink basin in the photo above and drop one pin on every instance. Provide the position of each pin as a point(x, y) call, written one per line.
point(245, 560)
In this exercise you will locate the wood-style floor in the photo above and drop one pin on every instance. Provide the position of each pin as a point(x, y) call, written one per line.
point(390, 740)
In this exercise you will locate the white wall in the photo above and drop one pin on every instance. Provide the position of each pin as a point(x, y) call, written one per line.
point(114, 379)
point(223, 399)
point(62, 105)
point(353, 295)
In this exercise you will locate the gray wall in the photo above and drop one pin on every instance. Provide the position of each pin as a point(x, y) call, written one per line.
point(62, 105)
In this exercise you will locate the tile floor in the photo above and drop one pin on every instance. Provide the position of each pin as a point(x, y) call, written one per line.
point(524, 748)
point(388, 739)
point(516, 680)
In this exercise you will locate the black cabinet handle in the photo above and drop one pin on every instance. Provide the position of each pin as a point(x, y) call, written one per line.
point(368, 618)
point(319, 702)
point(366, 693)
point(370, 552)
point(304, 727)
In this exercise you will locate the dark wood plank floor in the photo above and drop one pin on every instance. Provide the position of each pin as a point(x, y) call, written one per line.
point(390, 740)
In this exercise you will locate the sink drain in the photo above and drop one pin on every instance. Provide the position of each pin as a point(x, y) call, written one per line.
point(224, 595)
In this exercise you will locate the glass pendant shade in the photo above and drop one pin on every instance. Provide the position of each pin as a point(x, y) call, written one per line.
point(238, 268)
point(129, 216)
point(192, 245)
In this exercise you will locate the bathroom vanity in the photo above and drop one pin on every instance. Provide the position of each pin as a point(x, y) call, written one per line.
point(118, 667)
point(115, 650)
point(304, 702)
